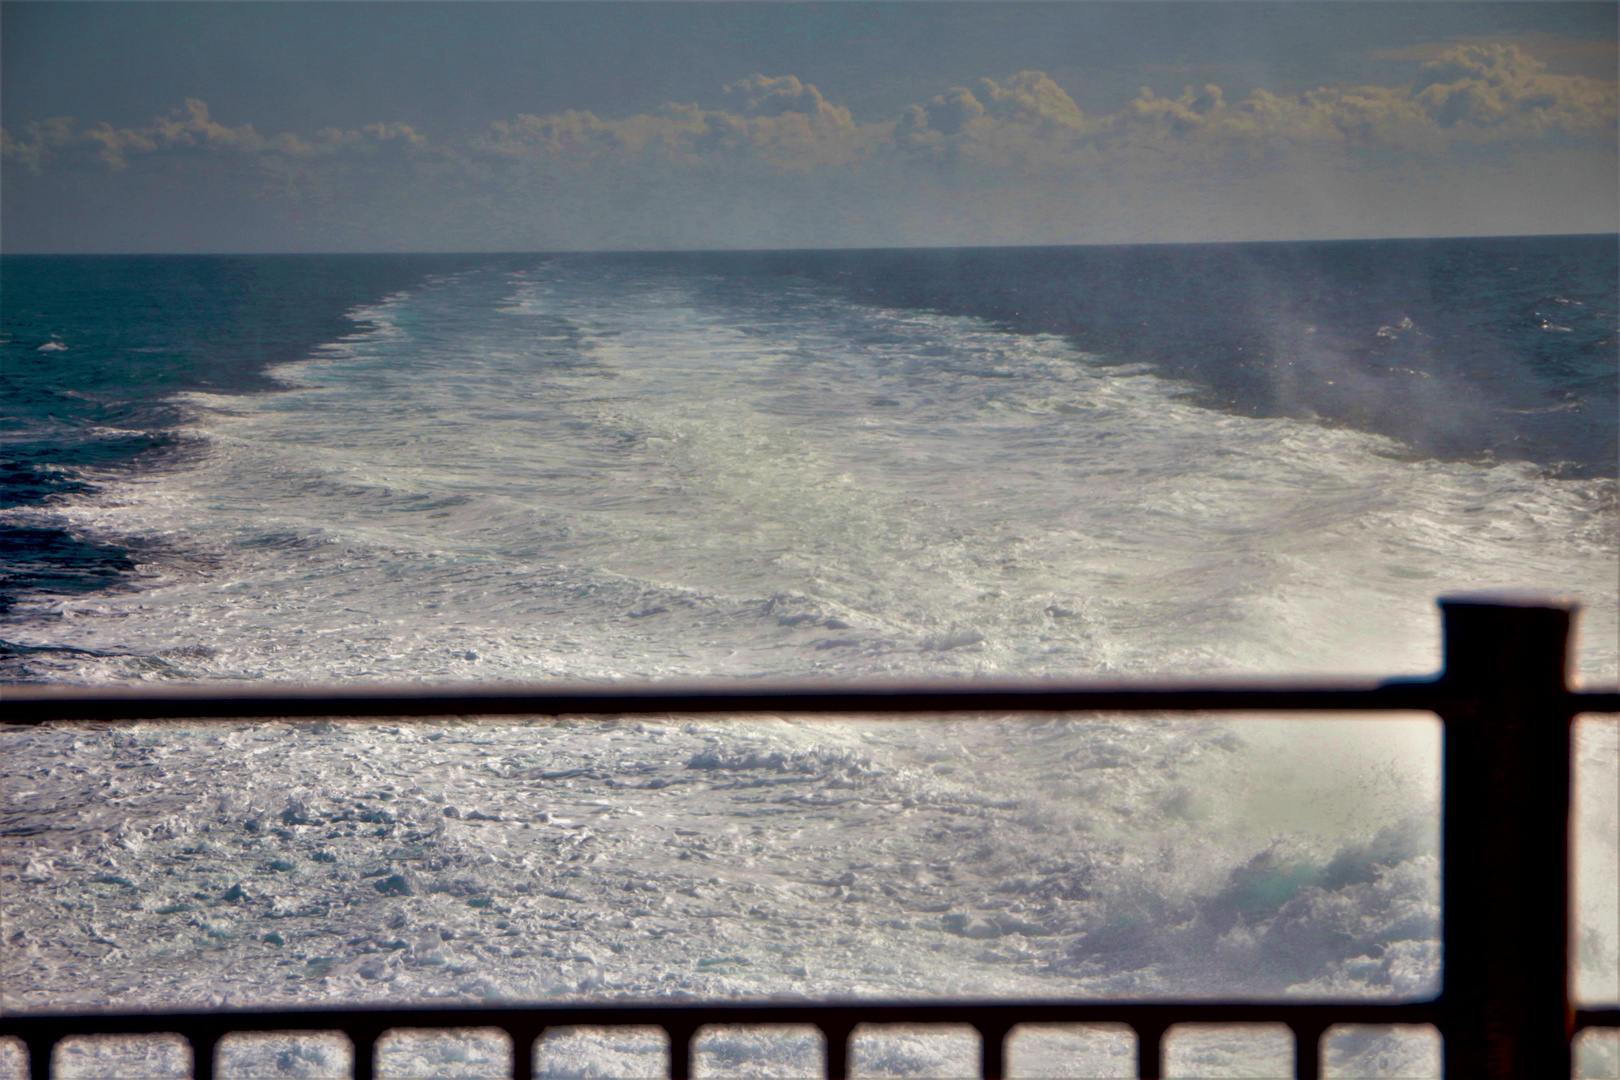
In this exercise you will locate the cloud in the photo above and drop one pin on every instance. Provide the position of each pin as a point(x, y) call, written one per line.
point(783, 123)
point(581, 138)
point(1027, 121)
point(765, 96)
point(789, 125)
point(1499, 88)
point(1467, 94)
point(999, 161)
point(188, 130)
point(42, 142)
point(1594, 57)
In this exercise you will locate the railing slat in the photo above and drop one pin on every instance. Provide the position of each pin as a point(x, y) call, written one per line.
point(1308, 1048)
point(993, 1048)
point(364, 1038)
point(525, 1037)
point(40, 1049)
point(837, 1034)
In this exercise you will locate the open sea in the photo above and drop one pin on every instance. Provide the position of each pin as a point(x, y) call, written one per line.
point(1033, 462)
point(1066, 461)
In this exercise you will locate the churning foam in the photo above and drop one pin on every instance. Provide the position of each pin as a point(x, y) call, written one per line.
point(577, 473)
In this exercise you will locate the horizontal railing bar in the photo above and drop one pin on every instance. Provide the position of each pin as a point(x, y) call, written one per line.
point(1173, 1012)
point(1605, 1017)
point(27, 705)
point(59, 1025)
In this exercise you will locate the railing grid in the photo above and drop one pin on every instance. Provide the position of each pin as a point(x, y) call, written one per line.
point(1504, 1008)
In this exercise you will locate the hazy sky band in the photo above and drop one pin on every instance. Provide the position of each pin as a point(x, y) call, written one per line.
point(260, 127)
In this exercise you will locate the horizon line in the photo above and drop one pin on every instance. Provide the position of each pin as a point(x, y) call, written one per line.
point(796, 250)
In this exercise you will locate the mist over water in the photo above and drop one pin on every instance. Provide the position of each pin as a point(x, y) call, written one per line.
point(804, 466)
point(1459, 348)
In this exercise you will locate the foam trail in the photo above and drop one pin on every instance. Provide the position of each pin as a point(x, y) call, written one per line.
point(582, 473)
point(595, 471)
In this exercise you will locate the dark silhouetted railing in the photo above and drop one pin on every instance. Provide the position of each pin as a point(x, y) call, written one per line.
point(1504, 1008)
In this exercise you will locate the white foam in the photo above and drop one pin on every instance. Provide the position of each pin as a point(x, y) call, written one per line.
point(577, 473)
point(593, 474)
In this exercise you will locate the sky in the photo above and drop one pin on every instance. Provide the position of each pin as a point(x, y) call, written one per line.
point(470, 126)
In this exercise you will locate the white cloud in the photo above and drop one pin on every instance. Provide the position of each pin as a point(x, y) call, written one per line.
point(783, 123)
point(1026, 121)
point(1003, 161)
point(1499, 88)
point(1468, 94)
point(188, 130)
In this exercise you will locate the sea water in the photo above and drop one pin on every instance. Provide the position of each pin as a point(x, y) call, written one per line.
point(1263, 459)
point(599, 466)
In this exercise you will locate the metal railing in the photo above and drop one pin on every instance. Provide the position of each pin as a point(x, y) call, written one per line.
point(1504, 1008)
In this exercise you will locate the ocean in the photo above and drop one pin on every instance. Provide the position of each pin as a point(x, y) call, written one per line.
point(1013, 463)
point(1254, 458)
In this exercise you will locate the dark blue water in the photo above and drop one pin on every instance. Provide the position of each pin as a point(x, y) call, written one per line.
point(133, 332)
point(1476, 350)
point(1462, 349)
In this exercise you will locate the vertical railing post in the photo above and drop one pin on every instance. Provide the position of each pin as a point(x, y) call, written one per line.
point(680, 1035)
point(1506, 840)
point(1150, 1048)
point(204, 1045)
point(525, 1037)
point(837, 1033)
point(364, 1037)
point(993, 1048)
point(41, 1047)
point(1308, 1048)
